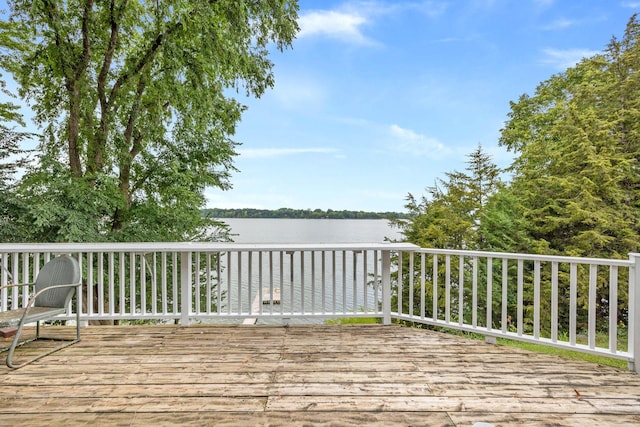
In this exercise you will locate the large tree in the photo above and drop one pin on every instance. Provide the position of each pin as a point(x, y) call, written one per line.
point(451, 214)
point(135, 99)
point(577, 141)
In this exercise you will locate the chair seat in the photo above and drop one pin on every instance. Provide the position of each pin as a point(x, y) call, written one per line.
point(12, 317)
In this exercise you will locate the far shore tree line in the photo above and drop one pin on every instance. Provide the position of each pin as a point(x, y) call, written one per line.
point(300, 213)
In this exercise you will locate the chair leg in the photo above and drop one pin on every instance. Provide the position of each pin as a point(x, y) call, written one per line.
point(15, 343)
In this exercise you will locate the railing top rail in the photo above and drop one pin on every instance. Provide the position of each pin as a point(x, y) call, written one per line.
point(200, 247)
point(529, 257)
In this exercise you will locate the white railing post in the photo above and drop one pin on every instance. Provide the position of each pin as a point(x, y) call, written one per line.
point(634, 312)
point(185, 287)
point(386, 287)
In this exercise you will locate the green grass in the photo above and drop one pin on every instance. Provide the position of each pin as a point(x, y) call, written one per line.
point(601, 340)
point(353, 321)
point(567, 354)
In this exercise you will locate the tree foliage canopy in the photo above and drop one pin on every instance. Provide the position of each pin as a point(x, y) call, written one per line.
point(577, 142)
point(451, 214)
point(135, 101)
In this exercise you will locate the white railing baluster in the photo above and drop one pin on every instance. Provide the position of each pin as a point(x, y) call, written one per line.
point(344, 282)
point(554, 301)
point(122, 283)
point(386, 287)
point(143, 283)
point(323, 281)
point(613, 308)
point(520, 327)
point(593, 277)
point(573, 302)
point(197, 272)
point(460, 290)
point(111, 283)
point(474, 292)
point(365, 292)
point(261, 284)
point(489, 316)
point(447, 289)
point(174, 280)
point(207, 282)
point(536, 299)
point(333, 282)
point(4, 280)
point(434, 314)
point(354, 281)
point(302, 282)
point(504, 321)
point(240, 278)
point(399, 281)
point(249, 282)
point(229, 267)
point(90, 310)
point(271, 282)
point(411, 284)
point(132, 283)
point(100, 256)
point(422, 285)
point(376, 281)
point(154, 284)
point(185, 287)
point(26, 278)
point(219, 281)
point(163, 272)
point(281, 260)
point(313, 282)
point(15, 297)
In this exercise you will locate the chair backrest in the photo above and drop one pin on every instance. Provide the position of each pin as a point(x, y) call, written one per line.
point(61, 270)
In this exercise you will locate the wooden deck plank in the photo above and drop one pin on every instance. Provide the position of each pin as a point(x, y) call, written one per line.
point(314, 374)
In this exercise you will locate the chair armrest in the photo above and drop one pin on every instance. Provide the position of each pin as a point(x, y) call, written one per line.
point(32, 300)
point(13, 285)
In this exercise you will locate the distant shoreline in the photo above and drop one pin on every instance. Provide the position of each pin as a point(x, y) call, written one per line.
point(300, 213)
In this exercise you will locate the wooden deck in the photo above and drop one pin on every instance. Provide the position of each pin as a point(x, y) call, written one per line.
point(308, 375)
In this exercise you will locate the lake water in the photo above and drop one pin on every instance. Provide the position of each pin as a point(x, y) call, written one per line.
point(312, 231)
point(284, 230)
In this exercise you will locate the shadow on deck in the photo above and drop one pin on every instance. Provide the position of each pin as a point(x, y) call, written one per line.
point(312, 375)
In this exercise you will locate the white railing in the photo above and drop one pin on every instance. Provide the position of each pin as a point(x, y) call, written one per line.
point(558, 301)
point(215, 281)
point(569, 302)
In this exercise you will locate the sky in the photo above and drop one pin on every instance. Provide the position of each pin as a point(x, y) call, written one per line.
point(378, 99)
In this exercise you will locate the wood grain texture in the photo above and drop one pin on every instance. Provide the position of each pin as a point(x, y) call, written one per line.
point(324, 375)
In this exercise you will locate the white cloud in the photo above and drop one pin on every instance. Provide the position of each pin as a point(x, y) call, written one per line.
point(631, 4)
point(345, 26)
point(408, 141)
point(347, 22)
point(563, 59)
point(559, 24)
point(278, 152)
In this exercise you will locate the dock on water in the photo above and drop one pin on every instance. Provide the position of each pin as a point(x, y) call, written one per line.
point(267, 298)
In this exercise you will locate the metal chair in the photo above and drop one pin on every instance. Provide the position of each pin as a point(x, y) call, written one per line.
point(54, 287)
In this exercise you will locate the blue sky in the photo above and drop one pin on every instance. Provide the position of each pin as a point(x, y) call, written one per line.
point(378, 99)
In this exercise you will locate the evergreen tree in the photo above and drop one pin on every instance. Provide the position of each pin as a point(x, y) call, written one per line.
point(451, 214)
point(576, 174)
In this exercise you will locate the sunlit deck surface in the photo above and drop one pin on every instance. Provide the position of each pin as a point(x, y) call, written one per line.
point(308, 375)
